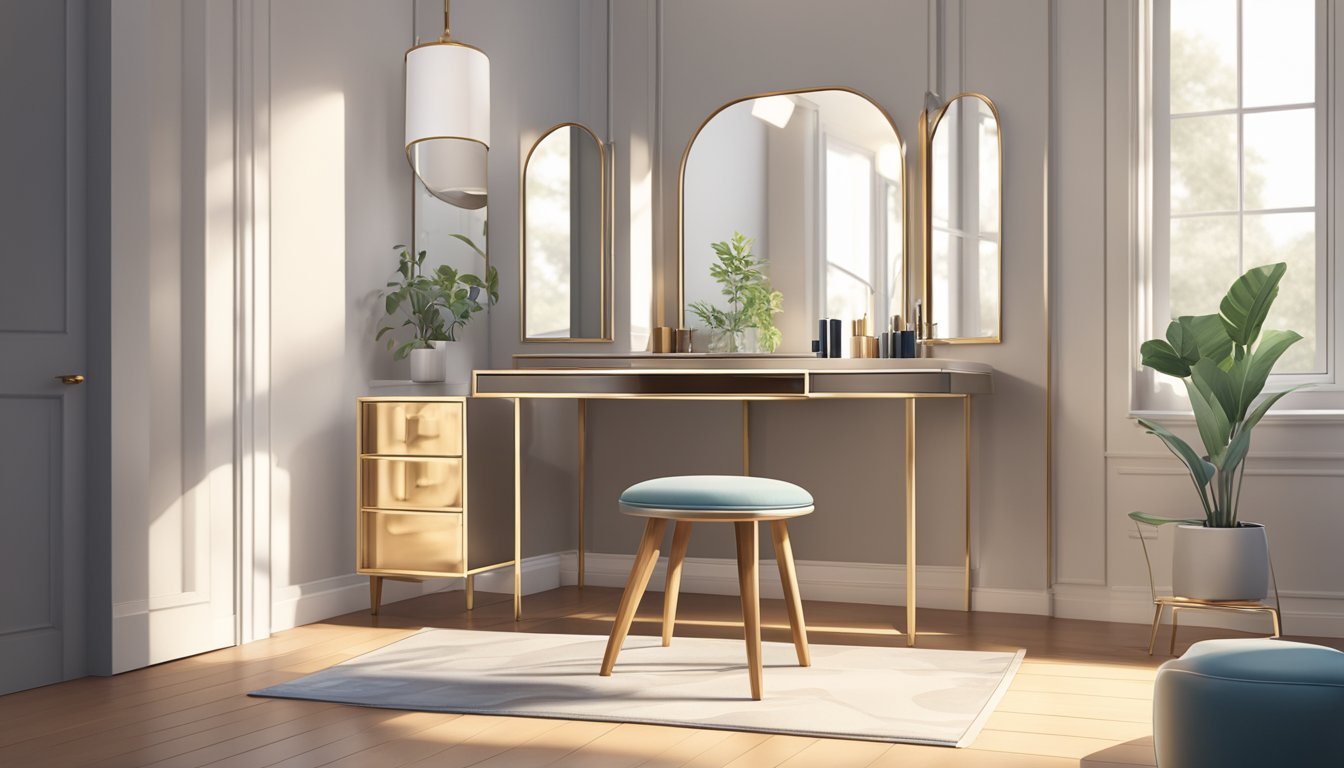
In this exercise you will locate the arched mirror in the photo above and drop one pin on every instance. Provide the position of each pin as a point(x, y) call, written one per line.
point(564, 250)
point(792, 209)
point(963, 209)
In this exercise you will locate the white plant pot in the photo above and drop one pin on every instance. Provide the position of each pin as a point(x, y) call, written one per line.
point(427, 364)
point(1220, 563)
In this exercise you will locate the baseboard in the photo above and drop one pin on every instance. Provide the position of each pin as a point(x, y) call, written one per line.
point(1303, 614)
point(936, 586)
point(312, 601)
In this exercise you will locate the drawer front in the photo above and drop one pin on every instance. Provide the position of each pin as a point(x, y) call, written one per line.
point(412, 541)
point(429, 484)
point(412, 428)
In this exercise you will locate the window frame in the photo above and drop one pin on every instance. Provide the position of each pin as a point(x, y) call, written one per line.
point(1150, 294)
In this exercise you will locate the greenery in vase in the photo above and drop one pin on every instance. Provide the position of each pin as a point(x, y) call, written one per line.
point(751, 303)
point(1224, 371)
point(434, 305)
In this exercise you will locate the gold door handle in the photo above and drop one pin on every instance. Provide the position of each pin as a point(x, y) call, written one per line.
point(71, 378)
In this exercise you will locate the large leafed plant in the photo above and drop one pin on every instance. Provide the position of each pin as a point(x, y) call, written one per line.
point(1224, 360)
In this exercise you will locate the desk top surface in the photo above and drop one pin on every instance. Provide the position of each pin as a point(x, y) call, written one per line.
point(729, 377)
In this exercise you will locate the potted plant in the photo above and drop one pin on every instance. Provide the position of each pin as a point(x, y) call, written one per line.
point(434, 306)
point(1224, 369)
point(748, 324)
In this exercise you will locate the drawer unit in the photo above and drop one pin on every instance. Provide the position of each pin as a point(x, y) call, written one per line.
point(412, 542)
point(433, 484)
point(434, 493)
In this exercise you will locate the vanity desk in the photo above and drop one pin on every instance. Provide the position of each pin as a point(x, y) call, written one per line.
point(744, 378)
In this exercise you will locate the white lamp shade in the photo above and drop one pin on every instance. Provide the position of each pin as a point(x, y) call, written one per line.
point(448, 120)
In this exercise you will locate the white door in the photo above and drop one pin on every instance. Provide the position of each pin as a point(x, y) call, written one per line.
point(42, 335)
point(172, 335)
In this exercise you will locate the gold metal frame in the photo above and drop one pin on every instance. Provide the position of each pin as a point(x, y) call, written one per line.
point(681, 191)
point(911, 512)
point(927, 126)
point(1177, 603)
point(605, 268)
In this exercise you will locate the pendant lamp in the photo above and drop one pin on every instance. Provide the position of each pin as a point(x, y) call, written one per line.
point(448, 118)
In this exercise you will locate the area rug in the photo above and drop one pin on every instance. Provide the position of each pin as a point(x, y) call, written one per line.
point(910, 695)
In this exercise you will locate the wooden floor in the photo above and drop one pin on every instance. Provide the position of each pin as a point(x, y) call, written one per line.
point(1083, 697)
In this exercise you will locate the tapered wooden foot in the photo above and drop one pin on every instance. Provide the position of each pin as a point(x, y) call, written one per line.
point(375, 594)
point(471, 592)
point(748, 578)
point(779, 531)
point(645, 559)
point(681, 536)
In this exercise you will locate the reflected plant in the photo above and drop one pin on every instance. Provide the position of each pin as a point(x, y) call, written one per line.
point(434, 305)
point(751, 303)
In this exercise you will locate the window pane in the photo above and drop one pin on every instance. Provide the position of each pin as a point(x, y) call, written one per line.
point(1203, 263)
point(1204, 164)
point(1203, 55)
point(1278, 52)
point(1280, 170)
point(1291, 238)
point(988, 305)
point(847, 298)
point(849, 211)
point(895, 254)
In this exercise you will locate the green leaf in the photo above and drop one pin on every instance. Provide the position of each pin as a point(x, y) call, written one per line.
point(1210, 336)
point(1163, 358)
point(1218, 386)
point(1200, 469)
point(1181, 337)
point(1247, 302)
point(472, 244)
point(1261, 362)
point(1260, 410)
point(1214, 428)
point(1144, 517)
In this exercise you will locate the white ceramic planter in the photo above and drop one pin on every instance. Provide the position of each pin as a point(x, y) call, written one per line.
point(427, 364)
point(1220, 563)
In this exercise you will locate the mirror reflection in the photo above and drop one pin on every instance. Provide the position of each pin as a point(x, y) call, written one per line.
point(792, 209)
point(450, 234)
point(963, 289)
point(564, 249)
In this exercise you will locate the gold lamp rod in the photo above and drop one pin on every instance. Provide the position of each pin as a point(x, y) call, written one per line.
point(447, 27)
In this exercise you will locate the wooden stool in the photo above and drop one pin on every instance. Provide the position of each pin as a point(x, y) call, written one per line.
point(742, 501)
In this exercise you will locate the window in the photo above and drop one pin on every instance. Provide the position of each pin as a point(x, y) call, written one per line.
point(1239, 164)
point(864, 239)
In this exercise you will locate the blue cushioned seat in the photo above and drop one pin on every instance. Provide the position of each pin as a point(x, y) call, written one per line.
point(1250, 702)
point(729, 493)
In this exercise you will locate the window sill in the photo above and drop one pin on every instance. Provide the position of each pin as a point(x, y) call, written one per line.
point(1285, 416)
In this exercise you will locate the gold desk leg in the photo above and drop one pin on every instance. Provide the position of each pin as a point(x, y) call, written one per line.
point(517, 509)
point(583, 475)
point(471, 591)
point(910, 521)
point(746, 437)
point(966, 417)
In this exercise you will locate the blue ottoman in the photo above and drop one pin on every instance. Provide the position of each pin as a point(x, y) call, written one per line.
point(1231, 703)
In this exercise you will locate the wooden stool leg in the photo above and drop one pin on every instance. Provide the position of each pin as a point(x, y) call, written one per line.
point(779, 530)
point(375, 594)
point(645, 559)
point(748, 578)
point(1157, 620)
point(681, 536)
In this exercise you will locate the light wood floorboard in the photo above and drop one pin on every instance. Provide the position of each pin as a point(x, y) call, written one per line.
point(1082, 698)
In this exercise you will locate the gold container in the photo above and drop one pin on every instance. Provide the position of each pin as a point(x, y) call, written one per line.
point(683, 341)
point(862, 346)
point(662, 339)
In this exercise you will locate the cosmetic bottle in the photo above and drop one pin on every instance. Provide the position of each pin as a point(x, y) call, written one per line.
point(821, 347)
point(833, 337)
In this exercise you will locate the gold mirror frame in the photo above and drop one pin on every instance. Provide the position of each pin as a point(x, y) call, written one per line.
point(927, 127)
point(604, 268)
point(681, 191)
